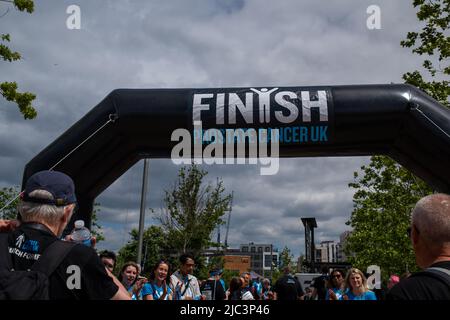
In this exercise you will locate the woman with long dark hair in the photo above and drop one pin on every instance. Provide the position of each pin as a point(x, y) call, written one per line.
point(157, 288)
point(234, 290)
point(336, 285)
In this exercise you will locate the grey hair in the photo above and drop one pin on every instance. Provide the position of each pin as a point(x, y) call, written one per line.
point(431, 216)
point(38, 212)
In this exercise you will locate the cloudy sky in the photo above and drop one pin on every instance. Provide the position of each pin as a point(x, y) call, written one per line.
point(198, 44)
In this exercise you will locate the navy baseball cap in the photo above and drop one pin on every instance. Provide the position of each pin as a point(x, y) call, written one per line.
point(59, 184)
point(216, 272)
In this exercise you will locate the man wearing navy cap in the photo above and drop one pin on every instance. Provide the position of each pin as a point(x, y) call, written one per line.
point(46, 206)
point(212, 288)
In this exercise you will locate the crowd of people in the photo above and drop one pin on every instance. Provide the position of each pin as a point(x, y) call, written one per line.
point(33, 246)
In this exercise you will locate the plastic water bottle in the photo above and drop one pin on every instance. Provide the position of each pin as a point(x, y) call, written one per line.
point(81, 234)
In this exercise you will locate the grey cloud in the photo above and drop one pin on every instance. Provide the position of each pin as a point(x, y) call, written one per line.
point(202, 43)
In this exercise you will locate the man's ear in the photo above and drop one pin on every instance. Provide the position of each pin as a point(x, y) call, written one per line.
point(414, 235)
point(68, 211)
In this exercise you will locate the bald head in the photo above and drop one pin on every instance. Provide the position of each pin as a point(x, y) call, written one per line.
point(431, 216)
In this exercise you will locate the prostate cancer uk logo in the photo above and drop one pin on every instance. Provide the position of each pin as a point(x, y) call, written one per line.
point(232, 125)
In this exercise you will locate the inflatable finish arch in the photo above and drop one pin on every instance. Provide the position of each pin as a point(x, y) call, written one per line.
point(395, 120)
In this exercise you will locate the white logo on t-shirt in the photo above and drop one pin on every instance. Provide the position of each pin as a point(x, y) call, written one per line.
point(20, 240)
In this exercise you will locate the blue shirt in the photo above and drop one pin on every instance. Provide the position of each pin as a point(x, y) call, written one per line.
point(338, 292)
point(154, 290)
point(186, 285)
point(133, 297)
point(223, 284)
point(258, 288)
point(368, 295)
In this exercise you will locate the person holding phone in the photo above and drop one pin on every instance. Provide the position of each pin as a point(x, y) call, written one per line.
point(129, 277)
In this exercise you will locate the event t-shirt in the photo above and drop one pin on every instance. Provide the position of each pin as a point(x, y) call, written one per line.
point(421, 286)
point(184, 286)
point(368, 295)
point(130, 290)
point(338, 292)
point(156, 291)
point(222, 282)
point(257, 288)
point(28, 242)
point(288, 288)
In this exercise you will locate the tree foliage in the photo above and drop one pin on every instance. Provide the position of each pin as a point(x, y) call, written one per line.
point(9, 89)
point(386, 192)
point(192, 211)
point(286, 257)
point(154, 246)
point(6, 195)
point(385, 195)
point(96, 228)
point(433, 42)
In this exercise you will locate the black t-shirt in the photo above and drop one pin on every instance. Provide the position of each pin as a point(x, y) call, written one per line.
point(213, 289)
point(28, 243)
point(288, 288)
point(421, 287)
point(320, 285)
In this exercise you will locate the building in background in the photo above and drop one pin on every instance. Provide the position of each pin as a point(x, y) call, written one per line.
point(332, 252)
point(237, 262)
point(264, 257)
point(327, 251)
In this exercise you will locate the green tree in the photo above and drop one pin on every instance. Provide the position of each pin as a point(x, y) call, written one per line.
point(276, 274)
point(154, 246)
point(96, 228)
point(432, 42)
point(193, 210)
point(6, 195)
point(385, 195)
point(286, 257)
point(217, 262)
point(9, 89)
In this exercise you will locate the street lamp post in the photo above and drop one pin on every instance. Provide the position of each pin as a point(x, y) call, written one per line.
point(271, 262)
point(142, 213)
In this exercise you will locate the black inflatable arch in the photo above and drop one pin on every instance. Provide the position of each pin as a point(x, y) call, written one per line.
point(130, 124)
